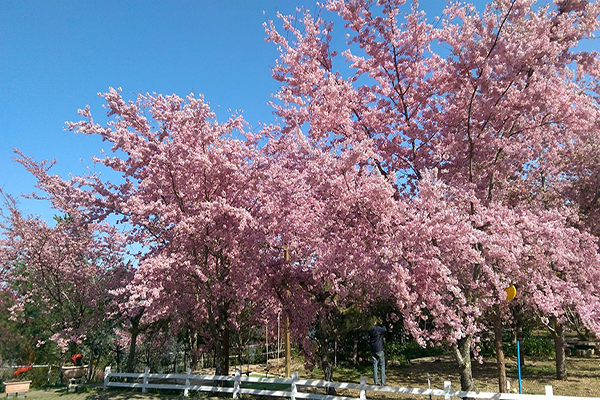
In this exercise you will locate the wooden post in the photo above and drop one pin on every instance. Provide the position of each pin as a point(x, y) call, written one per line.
point(248, 360)
point(106, 376)
point(428, 384)
point(267, 342)
point(447, 388)
point(286, 333)
point(294, 388)
point(186, 391)
point(363, 392)
point(236, 384)
point(145, 382)
point(335, 352)
point(288, 353)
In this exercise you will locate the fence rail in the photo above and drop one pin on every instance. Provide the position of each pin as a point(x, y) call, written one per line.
point(209, 383)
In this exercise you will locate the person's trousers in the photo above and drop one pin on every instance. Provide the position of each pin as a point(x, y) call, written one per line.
point(378, 358)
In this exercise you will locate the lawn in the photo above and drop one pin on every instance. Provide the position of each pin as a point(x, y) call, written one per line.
point(583, 379)
point(583, 375)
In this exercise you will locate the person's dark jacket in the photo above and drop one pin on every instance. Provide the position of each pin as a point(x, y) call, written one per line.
point(376, 338)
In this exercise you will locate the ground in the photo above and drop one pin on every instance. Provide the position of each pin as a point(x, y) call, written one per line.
point(583, 378)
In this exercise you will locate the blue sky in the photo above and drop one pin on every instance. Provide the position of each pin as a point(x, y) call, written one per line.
point(57, 55)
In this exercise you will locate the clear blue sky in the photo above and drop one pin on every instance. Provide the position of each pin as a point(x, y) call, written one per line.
point(55, 56)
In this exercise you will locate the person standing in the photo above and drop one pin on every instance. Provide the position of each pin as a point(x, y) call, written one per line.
point(376, 334)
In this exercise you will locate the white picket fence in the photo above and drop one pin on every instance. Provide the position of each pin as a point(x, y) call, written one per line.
point(210, 383)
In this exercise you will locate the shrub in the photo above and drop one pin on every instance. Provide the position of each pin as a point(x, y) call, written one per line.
point(538, 346)
point(534, 345)
point(410, 350)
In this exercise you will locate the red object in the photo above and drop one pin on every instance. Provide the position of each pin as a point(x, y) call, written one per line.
point(21, 370)
point(76, 357)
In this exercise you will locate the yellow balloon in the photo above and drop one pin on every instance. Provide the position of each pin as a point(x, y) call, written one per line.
point(511, 292)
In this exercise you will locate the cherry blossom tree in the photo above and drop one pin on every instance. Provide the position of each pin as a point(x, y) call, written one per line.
point(129, 315)
point(486, 98)
point(64, 271)
point(564, 265)
point(581, 185)
point(330, 219)
point(188, 197)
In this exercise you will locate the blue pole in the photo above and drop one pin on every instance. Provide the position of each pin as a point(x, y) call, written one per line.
point(519, 365)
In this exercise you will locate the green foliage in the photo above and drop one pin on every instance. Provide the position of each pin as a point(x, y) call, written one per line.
point(24, 340)
point(535, 344)
point(39, 376)
point(538, 346)
point(6, 374)
point(396, 350)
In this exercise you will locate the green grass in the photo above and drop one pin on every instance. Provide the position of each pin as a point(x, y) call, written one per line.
point(582, 379)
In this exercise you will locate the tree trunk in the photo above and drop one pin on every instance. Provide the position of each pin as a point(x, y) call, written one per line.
point(134, 331)
point(194, 351)
point(354, 359)
point(118, 355)
point(222, 352)
point(325, 361)
point(519, 329)
point(95, 354)
point(132, 348)
point(500, 362)
point(462, 355)
point(324, 344)
point(558, 335)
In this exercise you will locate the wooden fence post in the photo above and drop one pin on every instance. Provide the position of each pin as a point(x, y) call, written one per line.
point(294, 389)
point(236, 383)
point(106, 376)
point(186, 391)
point(145, 381)
point(363, 392)
point(447, 388)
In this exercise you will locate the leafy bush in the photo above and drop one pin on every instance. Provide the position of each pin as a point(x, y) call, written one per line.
point(6, 374)
point(410, 350)
point(39, 376)
point(538, 346)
